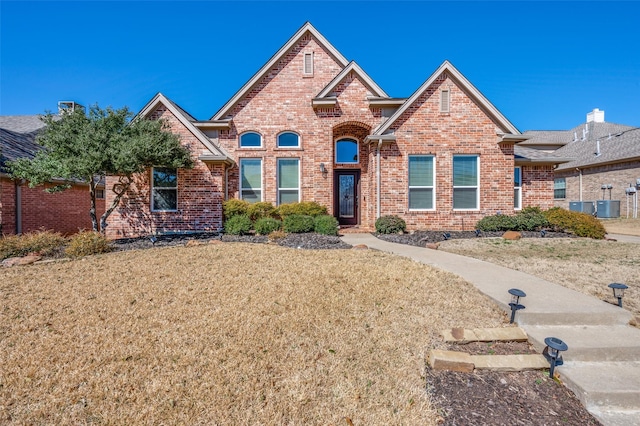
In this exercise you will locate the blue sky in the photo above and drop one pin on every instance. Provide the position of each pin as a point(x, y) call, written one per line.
point(544, 65)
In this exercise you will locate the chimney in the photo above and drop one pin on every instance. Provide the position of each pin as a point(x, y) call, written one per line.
point(595, 116)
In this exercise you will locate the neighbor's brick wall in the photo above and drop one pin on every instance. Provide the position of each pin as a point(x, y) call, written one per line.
point(618, 175)
point(282, 101)
point(200, 195)
point(423, 129)
point(66, 212)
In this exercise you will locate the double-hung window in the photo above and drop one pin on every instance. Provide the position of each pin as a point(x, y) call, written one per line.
point(559, 188)
point(517, 188)
point(288, 180)
point(421, 182)
point(251, 179)
point(164, 189)
point(466, 182)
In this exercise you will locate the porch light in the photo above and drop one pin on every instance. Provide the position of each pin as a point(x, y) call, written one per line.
point(515, 305)
point(618, 291)
point(552, 352)
point(323, 170)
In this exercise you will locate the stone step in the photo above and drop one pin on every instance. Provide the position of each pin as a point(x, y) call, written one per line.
point(464, 335)
point(604, 386)
point(591, 343)
point(581, 315)
point(466, 363)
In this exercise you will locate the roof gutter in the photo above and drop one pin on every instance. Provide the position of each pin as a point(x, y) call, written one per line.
point(210, 158)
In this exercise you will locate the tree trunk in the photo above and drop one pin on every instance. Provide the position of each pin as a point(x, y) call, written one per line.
point(119, 188)
point(92, 210)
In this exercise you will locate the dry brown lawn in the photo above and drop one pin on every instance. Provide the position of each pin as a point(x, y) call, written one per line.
point(226, 334)
point(581, 264)
point(622, 226)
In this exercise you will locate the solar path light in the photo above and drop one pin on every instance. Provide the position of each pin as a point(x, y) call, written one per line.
point(618, 291)
point(516, 294)
point(552, 352)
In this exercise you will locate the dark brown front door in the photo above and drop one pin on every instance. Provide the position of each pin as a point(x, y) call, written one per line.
point(345, 196)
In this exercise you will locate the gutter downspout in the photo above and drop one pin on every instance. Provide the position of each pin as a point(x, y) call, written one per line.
point(378, 180)
point(579, 170)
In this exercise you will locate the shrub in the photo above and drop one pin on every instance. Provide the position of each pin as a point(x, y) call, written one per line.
point(87, 243)
point(497, 222)
point(390, 224)
point(267, 225)
point(46, 243)
point(530, 219)
point(260, 209)
point(234, 207)
point(326, 225)
point(307, 208)
point(238, 225)
point(298, 223)
point(581, 224)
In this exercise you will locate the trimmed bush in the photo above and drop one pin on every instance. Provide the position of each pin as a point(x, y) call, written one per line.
point(390, 224)
point(298, 223)
point(267, 225)
point(306, 208)
point(260, 210)
point(326, 225)
point(530, 219)
point(237, 225)
point(497, 222)
point(87, 243)
point(581, 224)
point(45, 243)
point(234, 207)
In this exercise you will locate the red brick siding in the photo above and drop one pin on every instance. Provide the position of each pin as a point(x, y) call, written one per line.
point(200, 195)
point(537, 186)
point(65, 212)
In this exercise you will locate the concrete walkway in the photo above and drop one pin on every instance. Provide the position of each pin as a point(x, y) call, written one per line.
point(602, 364)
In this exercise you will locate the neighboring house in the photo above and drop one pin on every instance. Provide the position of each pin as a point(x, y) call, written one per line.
point(312, 126)
point(600, 153)
point(24, 209)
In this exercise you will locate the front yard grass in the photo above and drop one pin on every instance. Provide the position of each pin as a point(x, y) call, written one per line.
point(226, 333)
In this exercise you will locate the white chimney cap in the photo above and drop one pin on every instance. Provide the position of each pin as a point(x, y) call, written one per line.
point(595, 116)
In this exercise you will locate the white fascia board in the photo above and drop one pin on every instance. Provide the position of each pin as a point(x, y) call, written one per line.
point(466, 85)
point(353, 66)
point(224, 124)
point(161, 99)
point(307, 27)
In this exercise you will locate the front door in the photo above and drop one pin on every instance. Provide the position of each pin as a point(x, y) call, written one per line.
point(346, 205)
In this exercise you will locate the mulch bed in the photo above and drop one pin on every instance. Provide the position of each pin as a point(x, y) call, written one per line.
point(422, 238)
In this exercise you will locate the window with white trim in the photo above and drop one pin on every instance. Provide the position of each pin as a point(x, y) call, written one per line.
point(251, 179)
point(445, 100)
point(288, 180)
point(288, 140)
point(250, 140)
point(308, 64)
point(466, 182)
point(517, 188)
point(421, 182)
point(164, 189)
point(559, 188)
point(347, 151)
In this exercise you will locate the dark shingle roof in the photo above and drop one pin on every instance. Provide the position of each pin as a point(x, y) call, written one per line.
point(18, 137)
point(563, 137)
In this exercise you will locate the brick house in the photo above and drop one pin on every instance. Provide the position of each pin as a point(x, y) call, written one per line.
point(24, 209)
point(312, 126)
point(597, 154)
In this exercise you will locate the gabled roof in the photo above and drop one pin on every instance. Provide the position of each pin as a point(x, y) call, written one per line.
point(257, 77)
point(217, 152)
point(620, 147)
point(563, 137)
point(18, 137)
point(376, 91)
point(526, 155)
point(461, 80)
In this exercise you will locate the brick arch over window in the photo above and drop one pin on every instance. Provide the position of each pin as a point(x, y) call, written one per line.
point(353, 129)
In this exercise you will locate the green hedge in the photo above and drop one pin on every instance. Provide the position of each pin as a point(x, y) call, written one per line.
point(305, 208)
point(267, 225)
point(260, 210)
point(298, 223)
point(326, 225)
point(234, 207)
point(581, 224)
point(238, 225)
point(390, 224)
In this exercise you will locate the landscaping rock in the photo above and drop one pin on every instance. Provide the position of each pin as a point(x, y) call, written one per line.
point(451, 361)
point(433, 246)
point(360, 247)
point(18, 261)
point(512, 235)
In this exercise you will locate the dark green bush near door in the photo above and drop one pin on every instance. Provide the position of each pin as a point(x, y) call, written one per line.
point(266, 225)
point(298, 223)
point(238, 225)
point(326, 225)
point(390, 224)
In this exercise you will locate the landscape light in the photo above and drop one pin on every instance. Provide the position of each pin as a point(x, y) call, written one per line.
point(543, 233)
point(446, 235)
point(478, 233)
point(552, 352)
point(618, 291)
point(153, 240)
point(516, 294)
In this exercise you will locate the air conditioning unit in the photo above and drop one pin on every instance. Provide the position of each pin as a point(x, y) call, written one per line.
point(588, 207)
point(608, 208)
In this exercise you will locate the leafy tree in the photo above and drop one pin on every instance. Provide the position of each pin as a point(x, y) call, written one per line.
point(86, 147)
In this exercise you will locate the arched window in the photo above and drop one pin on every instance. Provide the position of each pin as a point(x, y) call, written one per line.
point(347, 151)
point(250, 140)
point(288, 140)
